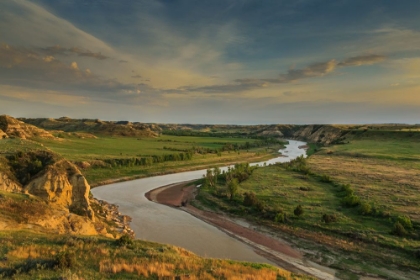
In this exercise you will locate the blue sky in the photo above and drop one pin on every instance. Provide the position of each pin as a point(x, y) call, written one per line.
point(244, 62)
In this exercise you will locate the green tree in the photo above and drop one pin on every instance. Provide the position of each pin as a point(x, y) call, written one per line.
point(233, 187)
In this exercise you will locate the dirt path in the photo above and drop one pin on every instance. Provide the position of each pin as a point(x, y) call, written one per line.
point(276, 250)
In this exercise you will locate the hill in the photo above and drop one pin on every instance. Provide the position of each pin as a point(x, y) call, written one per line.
point(95, 126)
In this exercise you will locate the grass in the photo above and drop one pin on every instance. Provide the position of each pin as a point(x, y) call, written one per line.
point(381, 168)
point(103, 147)
point(28, 255)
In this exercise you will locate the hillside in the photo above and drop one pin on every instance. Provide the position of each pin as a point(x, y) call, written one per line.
point(95, 126)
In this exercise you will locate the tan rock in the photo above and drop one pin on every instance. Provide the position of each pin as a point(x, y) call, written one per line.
point(8, 185)
point(62, 184)
point(3, 135)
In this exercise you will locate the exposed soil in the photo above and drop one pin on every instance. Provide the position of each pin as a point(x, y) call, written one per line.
point(274, 249)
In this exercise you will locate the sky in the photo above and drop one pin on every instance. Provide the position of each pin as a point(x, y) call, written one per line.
point(212, 61)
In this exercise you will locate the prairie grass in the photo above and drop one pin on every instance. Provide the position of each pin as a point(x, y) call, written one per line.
point(36, 256)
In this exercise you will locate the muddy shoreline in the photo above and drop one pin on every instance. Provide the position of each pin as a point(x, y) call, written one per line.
point(278, 251)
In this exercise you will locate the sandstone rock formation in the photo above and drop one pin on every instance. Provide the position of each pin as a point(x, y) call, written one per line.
point(7, 184)
point(3, 135)
point(63, 184)
point(11, 127)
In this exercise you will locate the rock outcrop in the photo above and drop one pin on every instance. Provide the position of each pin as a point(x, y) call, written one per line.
point(7, 184)
point(11, 127)
point(323, 134)
point(63, 184)
point(3, 135)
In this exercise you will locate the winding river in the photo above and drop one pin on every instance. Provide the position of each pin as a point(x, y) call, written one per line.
point(159, 223)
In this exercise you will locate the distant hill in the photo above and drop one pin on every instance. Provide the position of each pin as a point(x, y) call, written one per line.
point(96, 126)
point(11, 127)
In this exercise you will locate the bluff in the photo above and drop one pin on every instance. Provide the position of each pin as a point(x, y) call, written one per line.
point(323, 134)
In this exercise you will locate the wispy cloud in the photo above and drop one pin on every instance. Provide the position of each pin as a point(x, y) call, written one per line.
point(26, 67)
point(314, 70)
point(58, 50)
point(362, 60)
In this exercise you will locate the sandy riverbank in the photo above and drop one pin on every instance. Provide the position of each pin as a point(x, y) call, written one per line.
point(277, 251)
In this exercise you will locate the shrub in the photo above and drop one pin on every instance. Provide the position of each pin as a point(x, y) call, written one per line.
point(405, 221)
point(260, 206)
point(298, 211)
point(280, 217)
point(329, 218)
point(250, 199)
point(65, 260)
point(347, 189)
point(351, 200)
point(365, 209)
point(399, 229)
point(325, 178)
point(124, 240)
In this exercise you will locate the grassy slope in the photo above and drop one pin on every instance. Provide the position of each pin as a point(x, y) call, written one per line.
point(28, 255)
point(382, 168)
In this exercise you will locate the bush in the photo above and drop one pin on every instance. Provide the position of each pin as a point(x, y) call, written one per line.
point(250, 199)
point(298, 211)
point(329, 218)
point(347, 189)
point(325, 179)
point(405, 221)
point(399, 229)
point(365, 209)
point(65, 260)
point(280, 217)
point(351, 200)
point(125, 240)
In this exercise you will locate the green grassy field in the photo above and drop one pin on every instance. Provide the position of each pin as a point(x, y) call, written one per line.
point(118, 147)
point(382, 170)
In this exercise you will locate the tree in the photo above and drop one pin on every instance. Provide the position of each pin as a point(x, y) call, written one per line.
point(216, 174)
point(209, 178)
point(232, 187)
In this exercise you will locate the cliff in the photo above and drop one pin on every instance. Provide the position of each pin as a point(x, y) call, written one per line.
point(62, 184)
point(323, 134)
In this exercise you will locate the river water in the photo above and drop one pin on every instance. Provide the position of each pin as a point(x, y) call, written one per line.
point(159, 223)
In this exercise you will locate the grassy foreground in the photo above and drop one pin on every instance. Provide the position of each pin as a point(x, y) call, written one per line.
point(27, 255)
point(354, 207)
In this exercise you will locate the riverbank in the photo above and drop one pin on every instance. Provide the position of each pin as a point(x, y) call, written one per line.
point(261, 157)
point(276, 250)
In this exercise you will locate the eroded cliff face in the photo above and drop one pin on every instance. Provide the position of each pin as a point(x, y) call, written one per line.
point(7, 184)
point(62, 184)
point(11, 127)
point(323, 134)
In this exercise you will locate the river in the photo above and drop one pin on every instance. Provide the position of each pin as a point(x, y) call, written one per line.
point(159, 223)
